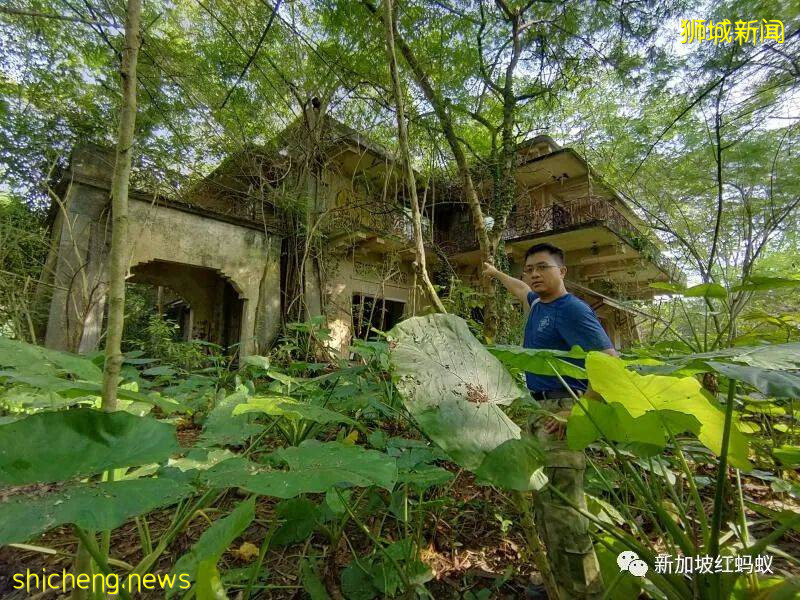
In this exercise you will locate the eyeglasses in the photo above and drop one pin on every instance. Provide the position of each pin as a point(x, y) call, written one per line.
point(538, 267)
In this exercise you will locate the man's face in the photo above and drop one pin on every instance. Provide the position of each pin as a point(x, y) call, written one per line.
point(543, 273)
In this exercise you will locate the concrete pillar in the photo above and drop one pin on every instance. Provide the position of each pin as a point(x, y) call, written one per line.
point(83, 232)
point(267, 315)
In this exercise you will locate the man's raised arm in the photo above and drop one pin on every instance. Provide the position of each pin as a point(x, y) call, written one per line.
point(516, 287)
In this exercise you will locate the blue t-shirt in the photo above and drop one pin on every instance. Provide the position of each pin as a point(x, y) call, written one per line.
point(559, 325)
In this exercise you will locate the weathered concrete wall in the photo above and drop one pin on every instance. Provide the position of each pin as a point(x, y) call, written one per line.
point(80, 279)
point(245, 256)
point(346, 275)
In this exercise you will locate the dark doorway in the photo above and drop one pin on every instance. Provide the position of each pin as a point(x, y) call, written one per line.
point(202, 301)
point(374, 313)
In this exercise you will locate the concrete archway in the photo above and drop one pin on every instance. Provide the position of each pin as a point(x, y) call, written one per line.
point(215, 305)
point(228, 267)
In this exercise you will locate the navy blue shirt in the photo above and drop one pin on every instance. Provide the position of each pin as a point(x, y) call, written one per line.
point(559, 325)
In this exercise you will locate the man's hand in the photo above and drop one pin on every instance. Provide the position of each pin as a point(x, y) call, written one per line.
point(556, 425)
point(489, 270)
point(517, 287)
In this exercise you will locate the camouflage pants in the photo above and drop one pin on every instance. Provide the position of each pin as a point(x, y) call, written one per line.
point(564, 531)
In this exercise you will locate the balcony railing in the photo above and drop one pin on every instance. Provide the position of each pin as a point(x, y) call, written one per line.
point(381, 218)
point(585, 211)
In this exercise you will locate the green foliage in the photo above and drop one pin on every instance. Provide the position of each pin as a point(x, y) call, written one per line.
point(540, 361)
point(640, 394)
point(313, 467)
point(160, 343)
point(377, 575)
point(96, 506)
point(650, 431)
point(451, 384)
point(24, 245)
point(660, 428)
point(640, 420)
point(462, 300)
point(516, 464)
point(36, 377)
point(35, 360)
point(223, 428)
point(282, 406)
point(76, 442)
point(206, 551)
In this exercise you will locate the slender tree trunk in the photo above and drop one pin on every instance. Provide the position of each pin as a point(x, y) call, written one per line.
point(439, 107)
point(405, 156)
point(504, 198)
point(118, 262)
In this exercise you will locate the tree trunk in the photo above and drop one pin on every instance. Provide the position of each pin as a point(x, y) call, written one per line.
point(118, 261)
point(405, 156)
point(438, 104)
point(504, 197)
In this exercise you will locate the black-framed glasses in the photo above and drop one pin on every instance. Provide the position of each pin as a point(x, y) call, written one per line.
point(538, 267)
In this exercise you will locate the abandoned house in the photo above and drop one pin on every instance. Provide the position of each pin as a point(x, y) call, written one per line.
point(317, 224)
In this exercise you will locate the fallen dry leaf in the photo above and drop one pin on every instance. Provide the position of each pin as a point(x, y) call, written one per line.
point(246, 552)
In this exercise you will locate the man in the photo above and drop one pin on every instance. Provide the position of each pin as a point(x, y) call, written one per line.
point(558, 321)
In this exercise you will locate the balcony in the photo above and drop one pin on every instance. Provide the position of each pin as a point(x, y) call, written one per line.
point(374, 223)
point(589, 211)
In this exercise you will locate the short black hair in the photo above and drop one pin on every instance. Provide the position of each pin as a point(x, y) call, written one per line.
point(553, 251)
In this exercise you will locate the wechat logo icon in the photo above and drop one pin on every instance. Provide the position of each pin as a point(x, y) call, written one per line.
point(630, 561)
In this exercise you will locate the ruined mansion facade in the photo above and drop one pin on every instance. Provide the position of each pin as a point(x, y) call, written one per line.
point(317, 224)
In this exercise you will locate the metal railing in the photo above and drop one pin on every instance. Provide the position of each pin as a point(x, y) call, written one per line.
point(382, 218)
point(461, 237)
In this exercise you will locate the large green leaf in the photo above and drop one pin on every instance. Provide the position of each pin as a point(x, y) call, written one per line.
point(592, 420)
point(312, 583)
point(215, 540)
point(70, 388)
point(768, 356)
point(284, 406)
point(626, 586)
point(789, 456)
point(666, 286)
point(56, 446)
point(223, 428)
point(453, 386)
point(541, 361)
point(209, 583)
point(760, 284)
point(300, 517)
point(779, 384)
point(639, 394)
point(95, 507)
point(706, 290)
point(314, 467)
point(770, 369)
point(31, 359)
point(516, 464)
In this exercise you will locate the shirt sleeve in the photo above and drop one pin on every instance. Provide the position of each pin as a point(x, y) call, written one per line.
point(531, 297)
point(581, 327)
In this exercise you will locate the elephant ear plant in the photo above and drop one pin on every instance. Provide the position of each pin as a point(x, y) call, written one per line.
point(660, 427)
point(455, 390)
point(652, 430)
point(95, 470)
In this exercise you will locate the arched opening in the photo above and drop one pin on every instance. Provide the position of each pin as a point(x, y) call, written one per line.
point(203, 303)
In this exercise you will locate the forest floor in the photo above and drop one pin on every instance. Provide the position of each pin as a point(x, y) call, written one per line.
point(471, 543)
